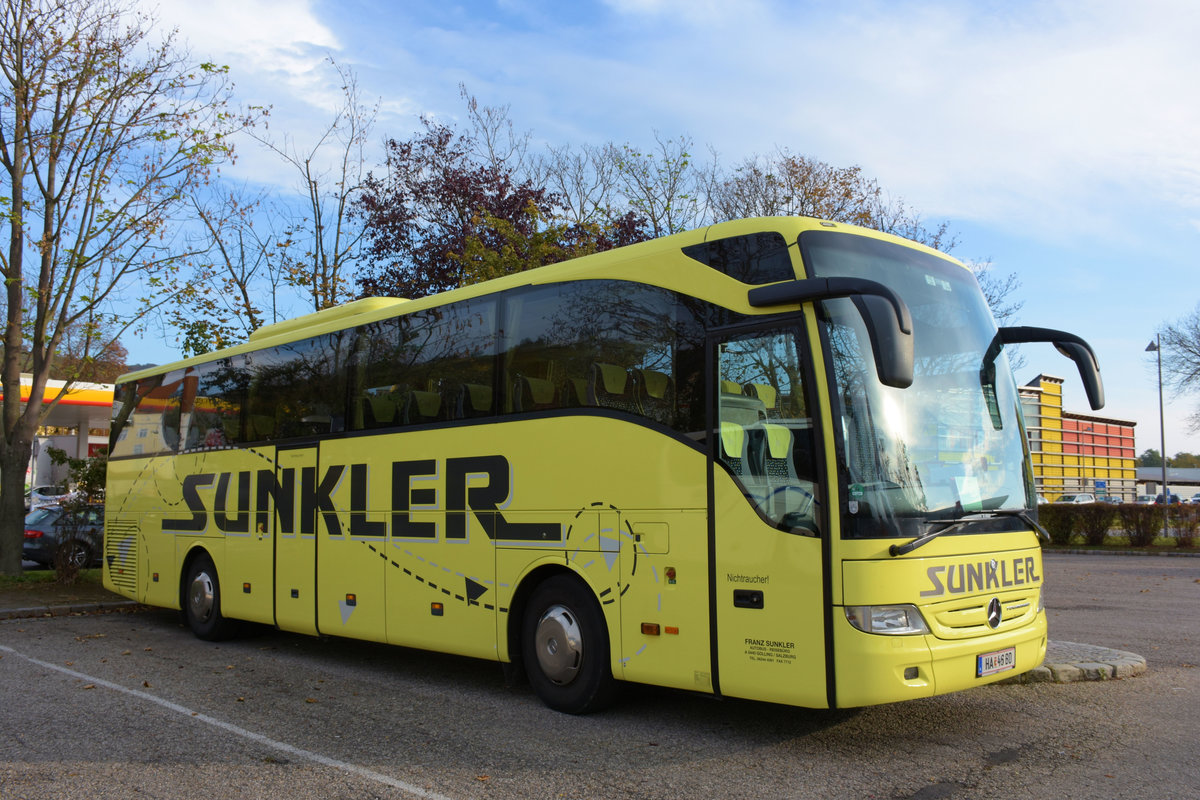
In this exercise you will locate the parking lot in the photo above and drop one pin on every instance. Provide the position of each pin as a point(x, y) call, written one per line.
point(121, 705)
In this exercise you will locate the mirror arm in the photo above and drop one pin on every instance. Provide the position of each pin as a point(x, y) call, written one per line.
point(890, 328)
point(1070, 345)
point(802, 291)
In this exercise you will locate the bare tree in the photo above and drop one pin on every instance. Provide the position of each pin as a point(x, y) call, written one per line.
point(662, 185)
point(1180, 342)
point(583, 182)
point(999, 291)
point(493, 139)
point(323, 244)
point(786, 184)
point(103, 136)
point(792, 185)
point(237, 289)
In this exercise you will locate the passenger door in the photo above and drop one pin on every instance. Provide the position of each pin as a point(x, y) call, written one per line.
point(766, 503)
point(295, 541)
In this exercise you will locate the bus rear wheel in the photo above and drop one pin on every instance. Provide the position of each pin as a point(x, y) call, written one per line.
point(565, 647)
point(202, 602)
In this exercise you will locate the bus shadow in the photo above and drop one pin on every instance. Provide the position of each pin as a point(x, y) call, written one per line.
point(471, 689)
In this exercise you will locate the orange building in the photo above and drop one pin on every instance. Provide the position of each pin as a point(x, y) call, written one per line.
point(1075, 453)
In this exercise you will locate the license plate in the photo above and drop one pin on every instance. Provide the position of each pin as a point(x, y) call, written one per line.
point(998, 661)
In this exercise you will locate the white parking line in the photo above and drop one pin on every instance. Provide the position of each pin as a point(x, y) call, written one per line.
point(258, 738)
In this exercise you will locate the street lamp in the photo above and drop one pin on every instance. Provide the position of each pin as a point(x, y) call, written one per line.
point(1156, 348)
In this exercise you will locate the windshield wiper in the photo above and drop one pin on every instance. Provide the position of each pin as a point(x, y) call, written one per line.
point(949, 525)
point(925, 538)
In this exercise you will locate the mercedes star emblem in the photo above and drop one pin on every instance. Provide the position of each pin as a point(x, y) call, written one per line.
point(993, 612)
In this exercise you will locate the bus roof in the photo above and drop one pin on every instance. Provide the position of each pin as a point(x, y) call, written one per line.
point(634, 262)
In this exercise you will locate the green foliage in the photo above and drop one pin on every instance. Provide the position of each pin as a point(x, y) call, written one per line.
point(106, 132)
point(1142, 523)
point(202, 336)
point(1093, 520)
point(1152, 458)
point(1184, 461)
point(88, 475)
point(1186, 521)
point(1059, 522)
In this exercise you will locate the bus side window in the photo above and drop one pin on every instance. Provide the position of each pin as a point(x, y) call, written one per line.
point(380, 408)
point(604, 344)
point(421, 407)
point(171, 416)
point(474, 400)
point(609, 386)
point(217, 409)
point(298, 389)
point(764, 436)
point(655, 394)
point(534, 394)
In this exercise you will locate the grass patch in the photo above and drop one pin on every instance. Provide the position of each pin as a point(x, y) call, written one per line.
point(36, 577)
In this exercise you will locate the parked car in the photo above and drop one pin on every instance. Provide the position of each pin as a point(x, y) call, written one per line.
point(1195, 498)
point(1076, 498)
point(1144, 500)
point(1158, 500)
point(43, 496)
point(80, 531)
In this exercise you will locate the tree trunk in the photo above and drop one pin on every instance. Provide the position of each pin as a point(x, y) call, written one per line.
point(14, 460)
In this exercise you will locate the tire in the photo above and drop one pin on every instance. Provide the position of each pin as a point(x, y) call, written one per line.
point(564, 645)
point(74, 554)
point(201, 597)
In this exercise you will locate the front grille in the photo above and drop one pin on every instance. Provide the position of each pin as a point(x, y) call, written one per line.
point(120, 555)
point(966, 617)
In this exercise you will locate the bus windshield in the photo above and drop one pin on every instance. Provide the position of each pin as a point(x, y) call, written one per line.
point(952, 444)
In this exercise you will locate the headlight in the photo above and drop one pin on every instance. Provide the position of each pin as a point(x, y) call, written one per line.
point(1041, 604)
point(891, 620)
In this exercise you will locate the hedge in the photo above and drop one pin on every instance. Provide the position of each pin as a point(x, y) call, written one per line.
point(1141, 525)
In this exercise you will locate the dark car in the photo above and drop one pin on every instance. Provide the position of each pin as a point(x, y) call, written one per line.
point(79, 531)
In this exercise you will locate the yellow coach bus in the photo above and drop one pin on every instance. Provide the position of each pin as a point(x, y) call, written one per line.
point(778, 459)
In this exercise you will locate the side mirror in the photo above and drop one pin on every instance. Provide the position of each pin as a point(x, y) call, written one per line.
point(1068, 344)
point(888, 320)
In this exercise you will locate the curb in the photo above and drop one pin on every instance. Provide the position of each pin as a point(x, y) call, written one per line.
point(68, 609)
point(1070, 662)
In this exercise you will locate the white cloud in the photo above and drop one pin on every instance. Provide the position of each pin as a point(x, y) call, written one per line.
point(1019, 111)
point(280, 37)
point(276, 51)
point(1021, 117)
point(679, 10)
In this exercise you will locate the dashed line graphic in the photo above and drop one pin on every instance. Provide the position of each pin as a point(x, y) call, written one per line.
point(473, 589)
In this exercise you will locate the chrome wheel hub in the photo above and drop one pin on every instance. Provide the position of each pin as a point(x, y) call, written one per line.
point(558, 642)
point(201, 596)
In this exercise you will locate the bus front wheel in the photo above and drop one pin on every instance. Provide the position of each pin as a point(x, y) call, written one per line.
point(202, 601)
point(565, 647)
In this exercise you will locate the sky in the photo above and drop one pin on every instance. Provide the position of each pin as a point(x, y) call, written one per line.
point(1059, 140)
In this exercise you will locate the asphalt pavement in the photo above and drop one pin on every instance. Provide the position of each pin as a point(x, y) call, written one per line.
point(1066, 662)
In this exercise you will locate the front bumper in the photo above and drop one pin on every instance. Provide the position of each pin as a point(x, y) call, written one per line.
point(873, 669)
